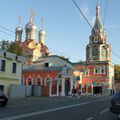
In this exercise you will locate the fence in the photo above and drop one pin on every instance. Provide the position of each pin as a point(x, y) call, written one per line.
point(21, 91)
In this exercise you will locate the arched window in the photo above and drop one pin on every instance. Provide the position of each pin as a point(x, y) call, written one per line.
point(104, 53)
point(29, 81)
point(94, 52)
point(47, 80)
point(38, 81)
point(102, 71)
point(97, 70)
point(86, 71)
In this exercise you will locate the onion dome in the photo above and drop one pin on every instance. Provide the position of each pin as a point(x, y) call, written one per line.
point(18, 29)
point(42, 33)
point(30, 25)
point(30, 30)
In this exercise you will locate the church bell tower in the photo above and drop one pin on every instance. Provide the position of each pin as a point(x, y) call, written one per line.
point(98, 48)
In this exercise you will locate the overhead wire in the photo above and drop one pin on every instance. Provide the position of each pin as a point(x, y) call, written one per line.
point(7, 29)
point(106, 9)
point(7, 33)
point(90, 24)
point(82, 13)
point(12, 34)
point(115, 54)
point(61, 53)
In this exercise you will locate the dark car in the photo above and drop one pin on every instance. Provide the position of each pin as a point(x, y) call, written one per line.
point(115, 104)
point(3, 99)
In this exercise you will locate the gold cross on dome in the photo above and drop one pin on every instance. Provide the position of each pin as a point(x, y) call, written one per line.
point(19, 20)
point(42, 22)
point(32, 13)
point(98, 2)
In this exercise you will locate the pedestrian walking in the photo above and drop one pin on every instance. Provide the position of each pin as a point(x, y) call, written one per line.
point(73, 92)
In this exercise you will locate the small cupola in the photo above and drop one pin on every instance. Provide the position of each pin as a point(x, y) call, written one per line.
point(18, 31)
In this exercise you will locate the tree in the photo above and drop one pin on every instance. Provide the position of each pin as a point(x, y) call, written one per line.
point(12, 47)
point(117, 72)
point(4, 44)
point(15, 48)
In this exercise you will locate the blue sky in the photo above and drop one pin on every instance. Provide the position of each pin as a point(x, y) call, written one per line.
point(67, 32)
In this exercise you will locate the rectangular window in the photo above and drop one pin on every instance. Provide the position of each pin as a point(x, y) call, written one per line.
point(14, 68)
point(2, 65)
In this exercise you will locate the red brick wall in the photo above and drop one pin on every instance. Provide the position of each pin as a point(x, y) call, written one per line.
point(45, 91)
point(93, 77)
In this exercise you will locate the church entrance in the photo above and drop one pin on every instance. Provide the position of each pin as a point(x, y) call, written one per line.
point(97, 89)
point(67, 87)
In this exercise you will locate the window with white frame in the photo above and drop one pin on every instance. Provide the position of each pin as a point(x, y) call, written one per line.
point(104, 52)
point(97, 70)
point(95, 52)
point(102, 70)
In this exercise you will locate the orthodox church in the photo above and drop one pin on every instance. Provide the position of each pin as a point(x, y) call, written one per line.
point(56, 75)
point(32, 49)
point(52, 75)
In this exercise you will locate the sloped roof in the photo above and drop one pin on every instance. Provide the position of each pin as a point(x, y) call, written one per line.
point(41, 68)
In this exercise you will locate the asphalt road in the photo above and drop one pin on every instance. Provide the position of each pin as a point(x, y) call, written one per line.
point(58, 109)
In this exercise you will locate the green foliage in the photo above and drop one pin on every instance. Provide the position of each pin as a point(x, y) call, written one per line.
point(117, 72)
point(12, 47)
point(15, 48)
point(4, 44)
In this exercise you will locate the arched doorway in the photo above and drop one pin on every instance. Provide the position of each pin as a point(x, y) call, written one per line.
point(67, 87)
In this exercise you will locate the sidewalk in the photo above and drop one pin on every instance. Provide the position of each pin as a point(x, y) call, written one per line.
point(32, 100)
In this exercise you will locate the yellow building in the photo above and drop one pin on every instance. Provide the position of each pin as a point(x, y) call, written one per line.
point(10, 70)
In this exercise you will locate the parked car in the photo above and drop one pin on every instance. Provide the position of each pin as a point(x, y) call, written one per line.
point(115, 104)
point(3, 99)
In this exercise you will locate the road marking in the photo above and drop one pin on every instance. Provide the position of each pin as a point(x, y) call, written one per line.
point(90, 118)
point(44, 111)
point(105, 110)
point(49, 110)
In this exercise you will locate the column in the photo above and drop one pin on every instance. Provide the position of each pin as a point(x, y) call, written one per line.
point(50, 88)
point(86, 89)
point(81, 88)
point(63, 87)
point(58, 82)
point(92, 88)
point(71, 85)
